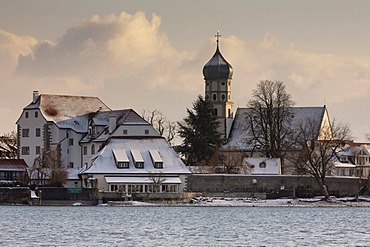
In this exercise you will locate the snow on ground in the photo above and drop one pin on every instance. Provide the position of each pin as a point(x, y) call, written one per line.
point(255, 202)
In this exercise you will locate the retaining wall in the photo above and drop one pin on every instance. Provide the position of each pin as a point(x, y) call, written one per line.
point(274, 186)
point(14, 195)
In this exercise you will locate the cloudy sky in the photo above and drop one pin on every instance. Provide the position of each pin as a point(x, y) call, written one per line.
point(149, 55)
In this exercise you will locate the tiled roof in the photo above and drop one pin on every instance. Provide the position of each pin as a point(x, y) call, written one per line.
point(239, 133)
point(68, 111)
point(12, 165)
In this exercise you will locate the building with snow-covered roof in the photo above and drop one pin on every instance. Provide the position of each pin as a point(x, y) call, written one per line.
point(96, 142)
point(352, 160)
point(235, 129)
point(13, 170)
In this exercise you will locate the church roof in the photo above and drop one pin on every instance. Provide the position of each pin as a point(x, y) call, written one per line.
point(217, 67)
point(239, 133)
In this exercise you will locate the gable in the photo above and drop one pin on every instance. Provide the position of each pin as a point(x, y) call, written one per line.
point(240, 130)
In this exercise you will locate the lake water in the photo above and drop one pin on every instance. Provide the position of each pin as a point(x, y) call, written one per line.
point(184, 226)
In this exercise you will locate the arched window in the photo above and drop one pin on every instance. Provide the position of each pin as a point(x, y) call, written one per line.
point(223, 97)
point(214, 96)
point(214, 113)
point(93, 149)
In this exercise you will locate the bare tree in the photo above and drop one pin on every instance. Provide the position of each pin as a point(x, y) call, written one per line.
point(165, 127)
point(157, 179)
point(8, 145)
point(270, 119)
point(318, 149)
point(363, 174)
point(229, 162)
point(49, 168)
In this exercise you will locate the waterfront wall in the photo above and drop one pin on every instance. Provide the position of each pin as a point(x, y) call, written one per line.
point(274, 186)
point(14, 195)
point(67, 196)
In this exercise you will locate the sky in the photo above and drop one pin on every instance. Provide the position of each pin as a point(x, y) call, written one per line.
point(149, 55)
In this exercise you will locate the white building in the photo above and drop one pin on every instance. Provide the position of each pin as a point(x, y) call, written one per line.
point(353, 160)
point(235, 128)
point(96, 141)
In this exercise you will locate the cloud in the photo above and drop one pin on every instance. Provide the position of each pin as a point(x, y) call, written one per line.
point(125, 46)
point(128, 61)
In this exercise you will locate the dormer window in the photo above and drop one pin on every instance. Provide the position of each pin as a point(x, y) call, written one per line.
point(138, 159)
point(121, 159)
point(343, 159)
point(156, 159)
point(146, 132)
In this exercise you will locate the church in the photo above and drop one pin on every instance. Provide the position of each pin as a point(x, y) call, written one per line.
point(233, 127)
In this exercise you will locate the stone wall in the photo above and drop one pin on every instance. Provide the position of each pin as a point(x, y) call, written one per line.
point(67, 195)
point(276, 186)
point(14, 195)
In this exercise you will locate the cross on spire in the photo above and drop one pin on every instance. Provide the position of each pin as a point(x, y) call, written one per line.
point(218, 35)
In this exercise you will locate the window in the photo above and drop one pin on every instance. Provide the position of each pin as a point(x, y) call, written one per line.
point(263, 164)
point(85, 150)
point(223, 97)
point(36, 114)
point(93, 149)
point(25, 150)
point(38, 132)
point(71, 164)
point(26, 114)
point(123, 164)
point(214, 97)
point(25, 132)
point(113, 187)
point(223, 83)
point(146, 132)
point(158, 165)
point(125, 132)
point(38, 149)
point(70, 141)
point(214, 112)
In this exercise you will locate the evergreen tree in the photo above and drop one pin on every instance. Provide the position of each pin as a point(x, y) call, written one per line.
point(199, 131)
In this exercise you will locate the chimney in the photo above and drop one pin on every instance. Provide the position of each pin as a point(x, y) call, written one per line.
point(35, 96)
point(112, 123)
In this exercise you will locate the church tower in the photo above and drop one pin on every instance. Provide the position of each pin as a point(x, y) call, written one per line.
point(217, 75)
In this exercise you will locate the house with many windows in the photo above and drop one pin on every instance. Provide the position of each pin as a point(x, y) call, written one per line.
point(100, 147)
point(353, 160)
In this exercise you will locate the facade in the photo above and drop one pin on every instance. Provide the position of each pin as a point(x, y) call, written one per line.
point(91, 139)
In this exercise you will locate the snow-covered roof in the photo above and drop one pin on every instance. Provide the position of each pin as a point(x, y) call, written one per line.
point(104, 162)
point(68, 111)
point(239, 133)
point(13, 165)
point(339, 164)
point(142, 180)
